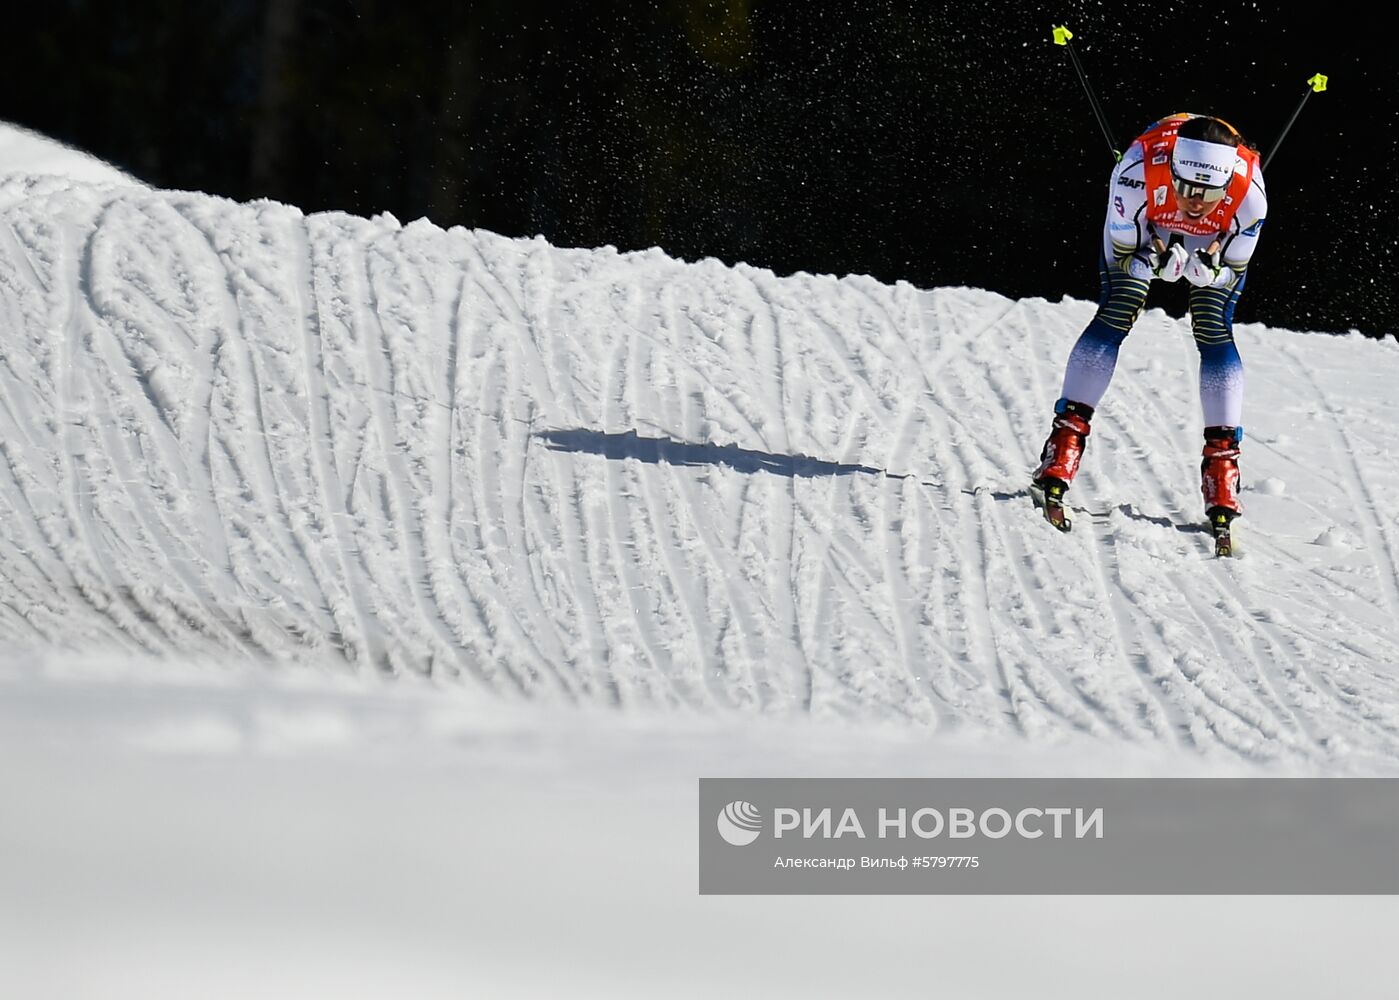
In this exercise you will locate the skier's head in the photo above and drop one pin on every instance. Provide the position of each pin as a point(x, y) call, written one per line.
point(1202, 163)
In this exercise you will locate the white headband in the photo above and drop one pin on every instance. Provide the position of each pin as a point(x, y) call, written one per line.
point(1209, 164)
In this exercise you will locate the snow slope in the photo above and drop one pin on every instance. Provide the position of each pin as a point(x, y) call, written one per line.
point(371, 597)
point(27, 152)
point(620, 479)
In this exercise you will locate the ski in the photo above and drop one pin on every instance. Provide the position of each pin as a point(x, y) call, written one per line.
point(1049, 499)
point(1221, 526)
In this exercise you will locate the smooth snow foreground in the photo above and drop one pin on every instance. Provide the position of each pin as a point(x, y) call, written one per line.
point(372, 596)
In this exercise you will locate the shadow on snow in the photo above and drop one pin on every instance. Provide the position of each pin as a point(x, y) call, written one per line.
point(658, 450)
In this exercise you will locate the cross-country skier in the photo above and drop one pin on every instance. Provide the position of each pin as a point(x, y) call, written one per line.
point(1185, 200)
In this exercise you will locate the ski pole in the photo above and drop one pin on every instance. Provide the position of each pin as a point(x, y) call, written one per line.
point(1061, 37)
point(1316, 85)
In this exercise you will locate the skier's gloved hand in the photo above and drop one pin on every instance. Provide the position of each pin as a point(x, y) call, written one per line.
point(1202, 268)
point(1169, 264)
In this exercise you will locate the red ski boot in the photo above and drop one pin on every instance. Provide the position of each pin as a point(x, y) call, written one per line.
point(1059, 459)
point(1219, 470)
point(1219, 483)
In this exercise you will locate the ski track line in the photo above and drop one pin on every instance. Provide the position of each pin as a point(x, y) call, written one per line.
point(539, 291)
point(1089, 710)
point(1260, 660)
point(1314, 660)
point(1132, 460)
point(570, 527)
point(23, 621)
point(984, 623)
point(566, 516)
point(1012, 616)
point(1025, 605)
point(1227, 701)
point(952, 677)
point(1215, 705)
point(902, 635)
point(494, 506)
point(600, 644)
point(81, 507)
point(875, 634)
point(215, 353)
point(206, 351)
point(279, 307)
point(308, 459)
point(813, 648)
point(485, 591)
point(14, 249)
point(1124, 609)
point(131, 460)
point(1033, 585)
point(1135, 446)
point(942, 577)
point(843, 355)
point(1160, 715)
point(413, 301)
point(209, 549)
point(831, 639)
point(898, 497)
point(530, 312)
point(267, 472)
point(903, 598)
point(1317, 641)
point(940, 596)
point(127, 626)
point(703, 377)
point(627, 499)
point(402, 517)
point(1377, 540)
point(961, 556)
point(1298, 681)
point(536, 626)
point(909, 694)
point(956, 340)
point(654, 494)
point(472, 462)
point(769, 365)
point(750, 636)
point(984, 649)
point(90, 581)
point(363, 639)
point(1007, 406)
point(624, 546)
point(903, 501)
point(35, 585)
point(1259, 650)
point(408, 310)
point(971, 342)
point(1059, 693)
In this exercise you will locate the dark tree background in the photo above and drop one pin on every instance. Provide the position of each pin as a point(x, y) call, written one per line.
point(940, 143)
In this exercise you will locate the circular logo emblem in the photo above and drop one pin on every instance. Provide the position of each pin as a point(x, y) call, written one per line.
point(740, 823)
